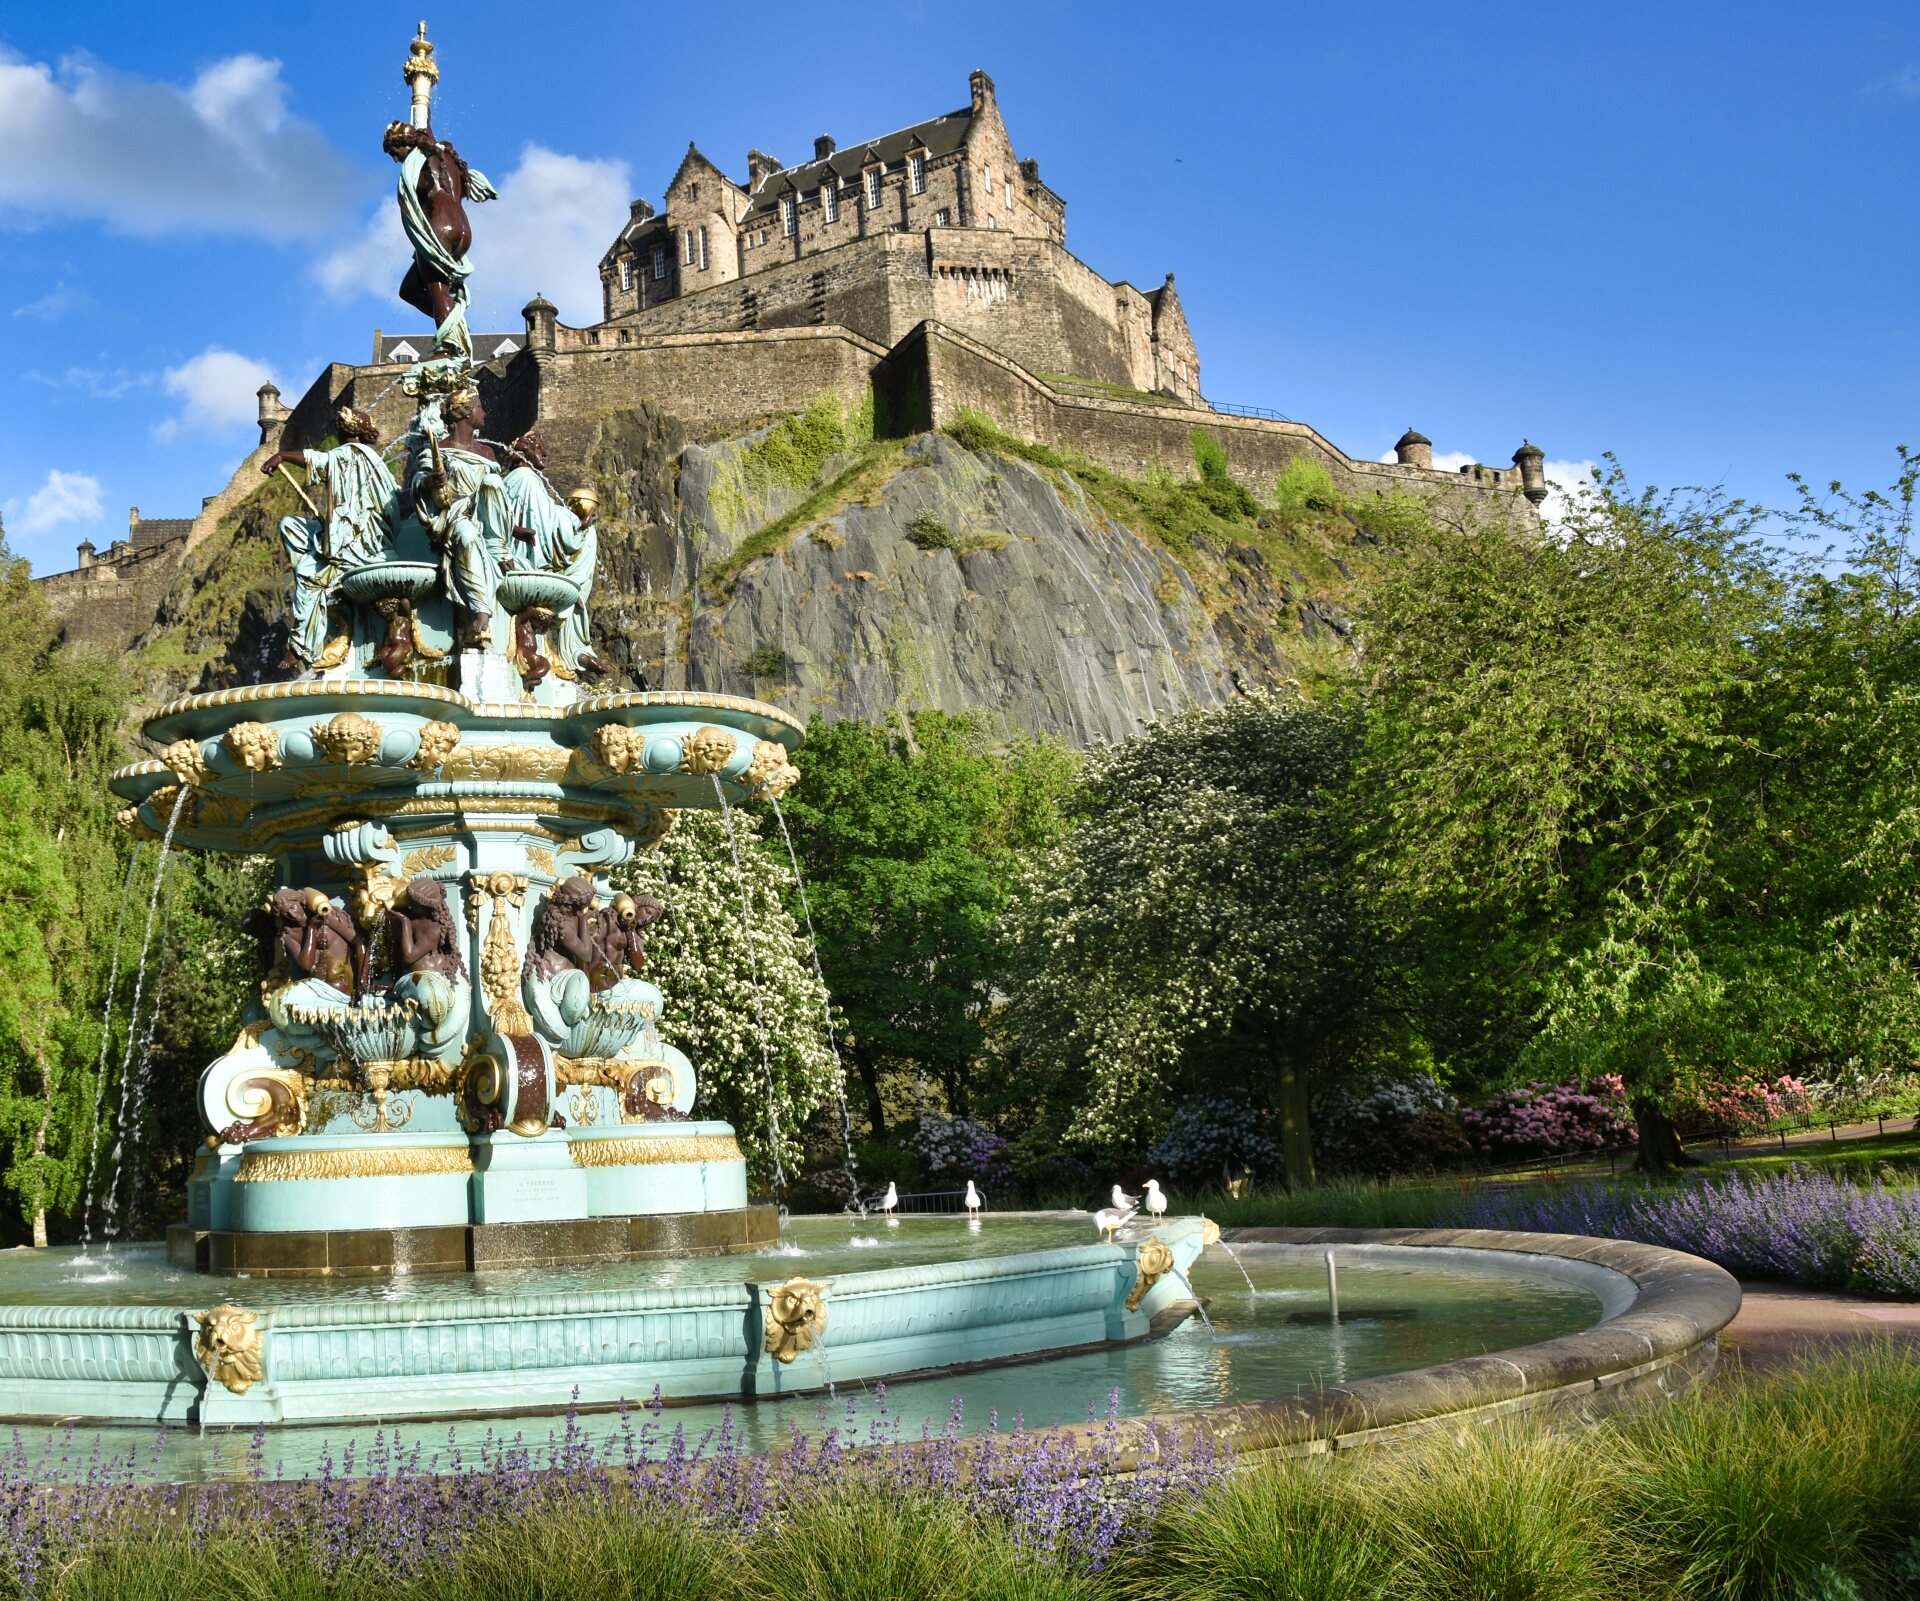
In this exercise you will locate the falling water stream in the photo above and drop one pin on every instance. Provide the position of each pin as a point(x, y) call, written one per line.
point(753, 964)
point(106, 1044)
point(826, 1007)
point(1240, 1265)
point(128, 1086)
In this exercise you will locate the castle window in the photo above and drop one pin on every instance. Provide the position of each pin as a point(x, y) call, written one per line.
point(917, 165)
point(986, 176)
point(703, 247)
point(626, 272)
point(873, 188)
point(991, 222)
point(693, 247)
point(593, 338)
point(659, 261)
point(943, 218)
point(693, 191)
point(789, 216)
point(830, 199)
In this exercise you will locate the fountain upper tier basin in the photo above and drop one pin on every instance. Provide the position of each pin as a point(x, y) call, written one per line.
point(272, 765)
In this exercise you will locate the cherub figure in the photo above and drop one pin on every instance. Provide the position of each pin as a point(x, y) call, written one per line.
point(622, 943)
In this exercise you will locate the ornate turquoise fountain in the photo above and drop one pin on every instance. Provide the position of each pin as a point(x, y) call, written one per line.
point(454, 1065)
point(453, 1029)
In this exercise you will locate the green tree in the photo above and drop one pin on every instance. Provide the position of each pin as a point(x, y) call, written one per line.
point(1646, 792)
point(1199, 924)
point(726, 971)
point(909, 837)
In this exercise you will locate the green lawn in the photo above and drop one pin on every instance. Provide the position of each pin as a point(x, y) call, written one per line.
point(1859, 1158)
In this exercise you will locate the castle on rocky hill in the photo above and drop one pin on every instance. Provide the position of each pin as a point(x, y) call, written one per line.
point(921, 277)
point(941, 221)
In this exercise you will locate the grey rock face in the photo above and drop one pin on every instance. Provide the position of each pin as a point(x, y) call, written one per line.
point(1042, 615)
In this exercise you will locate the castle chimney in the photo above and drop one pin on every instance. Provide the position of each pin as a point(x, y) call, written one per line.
point(133, 518)
point(543, 322)
point(1532, 462)
point(824, 147)
point(760, 167)
point(981, 87)
point(1030, 170)
point(272, 413)
point(640, 210)
point(1413, 449)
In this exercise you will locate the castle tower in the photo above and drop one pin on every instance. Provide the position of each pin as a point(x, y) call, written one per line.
point(1532, 462)
point(543, 321)
point(272, 413)
point(1413, 449)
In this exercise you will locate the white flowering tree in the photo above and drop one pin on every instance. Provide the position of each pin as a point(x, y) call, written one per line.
point(725, 971)
point(1199, 925)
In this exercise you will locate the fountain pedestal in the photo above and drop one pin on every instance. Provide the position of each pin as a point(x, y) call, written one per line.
point(466, 1048)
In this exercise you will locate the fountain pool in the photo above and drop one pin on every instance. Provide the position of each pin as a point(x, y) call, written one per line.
point(1399, 1313)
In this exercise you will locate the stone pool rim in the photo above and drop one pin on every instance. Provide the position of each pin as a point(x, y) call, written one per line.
point(1659, 1346)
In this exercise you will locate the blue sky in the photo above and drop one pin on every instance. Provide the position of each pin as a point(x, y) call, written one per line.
point(1682, 233)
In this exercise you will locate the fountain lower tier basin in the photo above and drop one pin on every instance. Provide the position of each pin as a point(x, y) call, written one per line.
point(304, 1353)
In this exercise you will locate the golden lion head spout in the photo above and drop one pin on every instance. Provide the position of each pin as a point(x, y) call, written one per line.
point(796, 1315)
point(227, 1346)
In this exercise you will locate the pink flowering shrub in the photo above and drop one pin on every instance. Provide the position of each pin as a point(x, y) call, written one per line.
point(1552, 1119)
point(1746, 1105)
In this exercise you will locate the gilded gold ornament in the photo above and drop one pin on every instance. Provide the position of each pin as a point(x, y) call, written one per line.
point(706, 750)
point(499, 960)
point(769, 756)
point(267, 1167)
point(426, 859)
point(540, 857)
point(349, 740)
point(437, 743)
point(1154, 1260)
point(796, 1317)
point(187, 763)
point(254, 746)
point(227, 1346)
point(129, 818)
point(617, 747)
point(1209, 1231)
point(660, 823)
point(652, 1151)
point(508, 763)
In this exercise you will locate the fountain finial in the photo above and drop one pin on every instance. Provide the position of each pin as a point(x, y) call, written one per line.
point(421, 75)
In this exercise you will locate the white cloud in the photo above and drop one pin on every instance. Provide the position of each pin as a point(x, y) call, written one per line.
point(61, 498)
point(218, 394)
point(220, 155)
point(96, 383)
point(545, 234)
point(1903, 83)
point(62, 300)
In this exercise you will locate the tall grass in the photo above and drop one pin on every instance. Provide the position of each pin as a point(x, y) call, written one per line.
point(1798, 1487)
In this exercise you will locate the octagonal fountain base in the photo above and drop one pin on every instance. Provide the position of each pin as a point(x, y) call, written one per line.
point(449, 1348)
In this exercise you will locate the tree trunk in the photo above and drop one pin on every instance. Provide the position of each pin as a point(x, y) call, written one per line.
point(40, 1154)
point(869, 1074)
point(1660, 1150)
point(1296, 1126)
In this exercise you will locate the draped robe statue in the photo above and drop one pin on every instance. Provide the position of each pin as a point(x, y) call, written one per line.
point(434, 185)
point(557, 539)
point(358, 529)
point(462, 503)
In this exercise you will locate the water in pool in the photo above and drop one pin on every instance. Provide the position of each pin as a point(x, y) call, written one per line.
point(1263, 1342)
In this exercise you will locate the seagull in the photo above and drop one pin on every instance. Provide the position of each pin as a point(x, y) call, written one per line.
point(1110, 1220)
point(1156, 1200)
point(890, 1200)
point(974, 1203)
point(1122, 1200)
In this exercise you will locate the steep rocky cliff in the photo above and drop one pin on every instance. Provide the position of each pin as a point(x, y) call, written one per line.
point(811, 565)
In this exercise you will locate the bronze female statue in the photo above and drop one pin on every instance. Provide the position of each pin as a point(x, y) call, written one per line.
point(421, 931)
point(622, 943)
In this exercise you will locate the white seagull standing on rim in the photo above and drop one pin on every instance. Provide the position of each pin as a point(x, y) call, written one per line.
point(974, 1203)
point(1156, 1200)
point(890, 1200)
point(1122, 1200)
point(1110, 1220)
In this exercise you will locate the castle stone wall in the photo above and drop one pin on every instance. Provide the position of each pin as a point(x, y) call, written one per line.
point(959, 375)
